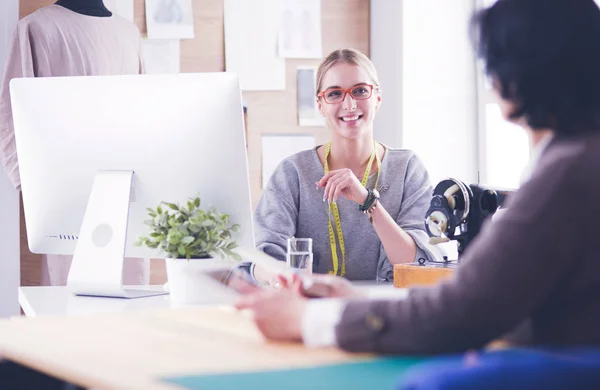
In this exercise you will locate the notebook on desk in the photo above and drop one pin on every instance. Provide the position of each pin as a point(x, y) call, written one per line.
point(514, 368)
point(117, 292)
point(380, 373)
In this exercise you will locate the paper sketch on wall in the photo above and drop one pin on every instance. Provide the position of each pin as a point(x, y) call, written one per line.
point(160, 56)
point(123, 8)
point(169, 19)
point(251, 34)
point(278, 147)
point(308, 109)
point(300, 35)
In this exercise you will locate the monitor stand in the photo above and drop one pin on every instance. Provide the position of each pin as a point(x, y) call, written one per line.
point(97, 267)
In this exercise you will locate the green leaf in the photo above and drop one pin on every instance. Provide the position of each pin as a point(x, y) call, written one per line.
point(194, 228)
point(207, 223)
point(172, 222)
point(174, 236)
point(172, 206)
point(197, 243)
point(159, 210)
point(181, 249)
point(197, 202)
point(160, 238)
point(187, 240)
point(163, 218)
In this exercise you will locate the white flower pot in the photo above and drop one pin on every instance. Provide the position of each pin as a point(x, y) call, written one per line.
point(188, 285)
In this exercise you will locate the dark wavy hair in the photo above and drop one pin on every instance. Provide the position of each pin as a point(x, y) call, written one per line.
point(544, 56)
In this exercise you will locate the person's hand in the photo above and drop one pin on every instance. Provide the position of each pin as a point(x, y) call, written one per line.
point(277, 313)
point(342, 182)
point(325, 286)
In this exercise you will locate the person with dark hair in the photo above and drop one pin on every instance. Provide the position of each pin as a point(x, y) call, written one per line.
point(544, 61)
point(536, 263)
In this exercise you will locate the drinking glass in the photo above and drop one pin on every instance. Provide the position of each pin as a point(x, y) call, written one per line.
point(299, 255)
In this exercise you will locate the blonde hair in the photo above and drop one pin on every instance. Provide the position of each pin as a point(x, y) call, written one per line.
point(346, 56)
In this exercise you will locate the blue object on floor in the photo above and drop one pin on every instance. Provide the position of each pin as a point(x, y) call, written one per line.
point(379, 373)
point(514, 369)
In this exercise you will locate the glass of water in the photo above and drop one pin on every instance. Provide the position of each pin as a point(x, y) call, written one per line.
point(299, 254)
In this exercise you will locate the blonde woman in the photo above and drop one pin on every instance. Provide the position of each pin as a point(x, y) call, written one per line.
point(362, 203)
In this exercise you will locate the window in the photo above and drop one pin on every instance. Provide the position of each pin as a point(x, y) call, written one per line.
point(503, 146)
point(505, 150)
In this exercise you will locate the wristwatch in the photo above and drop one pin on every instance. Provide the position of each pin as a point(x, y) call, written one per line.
point(370, 202)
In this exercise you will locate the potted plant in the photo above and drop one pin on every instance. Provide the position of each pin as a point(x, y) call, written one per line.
point(193, 241)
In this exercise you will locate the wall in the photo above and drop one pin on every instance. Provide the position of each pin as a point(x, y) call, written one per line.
point(439, 84)
point(9, 200)
point(386, 54)
point(345, 24)
point(427, 70)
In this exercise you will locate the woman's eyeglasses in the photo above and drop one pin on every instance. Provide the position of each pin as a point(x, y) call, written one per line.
point(337, 95)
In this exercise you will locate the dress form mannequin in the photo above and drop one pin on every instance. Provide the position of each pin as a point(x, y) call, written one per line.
point(86, 7)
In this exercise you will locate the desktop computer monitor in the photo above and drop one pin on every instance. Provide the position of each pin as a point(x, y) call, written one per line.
point(108, 147)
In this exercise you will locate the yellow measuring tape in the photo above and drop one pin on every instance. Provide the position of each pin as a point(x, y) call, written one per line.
point(336, 213)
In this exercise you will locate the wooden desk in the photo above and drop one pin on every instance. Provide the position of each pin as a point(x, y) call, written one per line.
point(134, 350)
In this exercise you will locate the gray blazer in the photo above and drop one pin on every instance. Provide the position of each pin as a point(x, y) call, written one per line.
point(538, 262)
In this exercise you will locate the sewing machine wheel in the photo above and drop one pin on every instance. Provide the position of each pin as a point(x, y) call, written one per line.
point(437, 223)
point(459, 196)
point(488, 203)
point(448, 209)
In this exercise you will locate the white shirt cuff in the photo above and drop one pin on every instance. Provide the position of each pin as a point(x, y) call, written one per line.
point(387, 292)
point(319, 322)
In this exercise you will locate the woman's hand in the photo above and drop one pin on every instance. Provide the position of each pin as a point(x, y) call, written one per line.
point(342, 182)
point(323, 286)
point(277, 313)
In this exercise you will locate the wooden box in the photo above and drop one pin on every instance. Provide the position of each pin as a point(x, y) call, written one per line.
point(406, 275)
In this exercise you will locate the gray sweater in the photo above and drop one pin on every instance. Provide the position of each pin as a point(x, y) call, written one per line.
point(291, 206)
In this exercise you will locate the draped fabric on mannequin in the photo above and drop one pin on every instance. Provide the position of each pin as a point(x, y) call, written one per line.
point(58, 41)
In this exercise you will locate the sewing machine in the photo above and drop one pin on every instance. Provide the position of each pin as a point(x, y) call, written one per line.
point(456, 213)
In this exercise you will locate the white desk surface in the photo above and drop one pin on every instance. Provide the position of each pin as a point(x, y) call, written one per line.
point(60, 300)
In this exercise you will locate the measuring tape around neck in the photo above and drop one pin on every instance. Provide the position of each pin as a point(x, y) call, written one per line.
point(333, 209)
